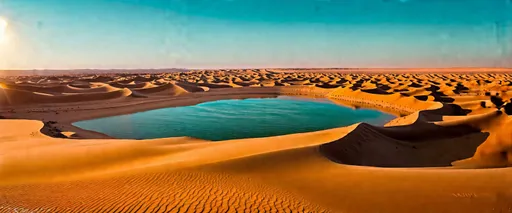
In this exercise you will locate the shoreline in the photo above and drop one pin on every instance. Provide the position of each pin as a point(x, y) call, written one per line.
point(64, 115)
point(379, 119)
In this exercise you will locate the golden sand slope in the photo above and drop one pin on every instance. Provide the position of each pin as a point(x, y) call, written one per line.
point(138, 165)
point(281, 173)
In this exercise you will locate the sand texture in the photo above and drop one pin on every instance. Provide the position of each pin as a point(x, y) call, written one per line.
point(449, 149)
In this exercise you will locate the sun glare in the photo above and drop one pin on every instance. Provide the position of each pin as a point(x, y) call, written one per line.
point(3, 29)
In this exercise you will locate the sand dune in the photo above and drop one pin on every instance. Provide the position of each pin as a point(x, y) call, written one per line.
point(192, 88)
point(19, 97)
point(131, 86)
point(416, 163)
point(12, 94)
point(167, 89)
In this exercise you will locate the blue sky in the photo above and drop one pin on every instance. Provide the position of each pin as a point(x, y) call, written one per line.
point(62, 34)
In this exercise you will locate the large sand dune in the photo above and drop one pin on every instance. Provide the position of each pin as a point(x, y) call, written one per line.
point(449, 150)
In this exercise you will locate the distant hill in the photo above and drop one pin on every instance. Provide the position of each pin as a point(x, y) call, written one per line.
point(85, 71)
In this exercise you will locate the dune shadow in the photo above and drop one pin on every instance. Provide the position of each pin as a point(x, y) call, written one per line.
point(328, 86)
point(421, 97)
point(416, 145)
point(437, 114)
point(421, 144)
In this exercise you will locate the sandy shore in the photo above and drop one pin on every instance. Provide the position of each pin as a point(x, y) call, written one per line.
point(61, 116)
point(446, 119)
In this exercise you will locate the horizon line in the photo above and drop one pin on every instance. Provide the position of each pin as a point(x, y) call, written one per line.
point(261, 68)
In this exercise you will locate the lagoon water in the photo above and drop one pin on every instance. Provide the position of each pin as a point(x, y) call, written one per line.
point(235, 119)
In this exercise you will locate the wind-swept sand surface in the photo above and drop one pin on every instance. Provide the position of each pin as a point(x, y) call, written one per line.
point(449, 150)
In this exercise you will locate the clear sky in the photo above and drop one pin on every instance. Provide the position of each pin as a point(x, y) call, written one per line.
point(62, 34)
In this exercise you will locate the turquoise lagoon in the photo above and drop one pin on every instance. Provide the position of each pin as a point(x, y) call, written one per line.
point(235, 119)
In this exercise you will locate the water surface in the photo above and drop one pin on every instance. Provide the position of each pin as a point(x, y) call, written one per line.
point(234, 119)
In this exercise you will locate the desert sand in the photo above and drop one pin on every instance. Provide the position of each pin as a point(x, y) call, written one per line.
point(449, 149)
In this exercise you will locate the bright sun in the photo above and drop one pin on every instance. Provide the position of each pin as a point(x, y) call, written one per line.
point(3, 28)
